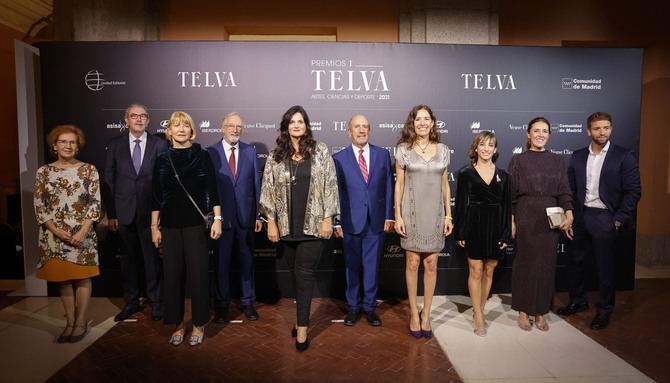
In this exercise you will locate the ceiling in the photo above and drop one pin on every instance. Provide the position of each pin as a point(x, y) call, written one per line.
point(22, 14)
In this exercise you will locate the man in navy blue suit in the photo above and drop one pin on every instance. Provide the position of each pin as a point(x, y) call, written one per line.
point(365, 183)
point(129, 167)
point(239, 190)
point(605, 182)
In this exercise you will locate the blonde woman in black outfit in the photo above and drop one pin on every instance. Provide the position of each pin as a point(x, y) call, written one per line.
point(177, 224)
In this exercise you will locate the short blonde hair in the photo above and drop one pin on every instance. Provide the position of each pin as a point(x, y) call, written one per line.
point(180, 117)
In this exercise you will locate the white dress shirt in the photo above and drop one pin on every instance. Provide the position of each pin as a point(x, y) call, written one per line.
point(228, 151)
point(143, 144)
point(366, 155)
point(594, 166)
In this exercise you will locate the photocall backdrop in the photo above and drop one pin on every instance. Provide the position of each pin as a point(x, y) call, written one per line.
point(469, 87)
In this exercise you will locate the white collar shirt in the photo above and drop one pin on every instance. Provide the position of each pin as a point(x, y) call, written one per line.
point(594, 166)
point(366, 154)
point(143, 143)
point(227, 149)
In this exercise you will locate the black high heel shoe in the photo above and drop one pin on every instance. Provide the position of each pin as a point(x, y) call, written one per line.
point(77, 338)
point(65, 336)
point(302, 346)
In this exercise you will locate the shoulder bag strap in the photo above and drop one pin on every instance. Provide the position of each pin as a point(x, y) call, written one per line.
point(176, 176)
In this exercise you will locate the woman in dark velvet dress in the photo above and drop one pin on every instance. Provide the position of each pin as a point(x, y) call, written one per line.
point(483, 220)
point(179, 227)
point(539, 181)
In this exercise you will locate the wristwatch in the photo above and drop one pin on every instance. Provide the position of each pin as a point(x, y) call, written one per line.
point(218, 217)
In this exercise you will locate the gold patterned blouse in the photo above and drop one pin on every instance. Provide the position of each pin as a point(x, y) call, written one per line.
point(67, 197)
point(322, 199)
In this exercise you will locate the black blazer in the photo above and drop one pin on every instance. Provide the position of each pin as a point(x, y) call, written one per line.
point(129, 192)
point(619, 187)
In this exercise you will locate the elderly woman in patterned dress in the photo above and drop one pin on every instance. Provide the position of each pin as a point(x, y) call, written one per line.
point(67, 202)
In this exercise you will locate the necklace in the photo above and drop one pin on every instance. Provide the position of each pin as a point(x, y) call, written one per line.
point(294, 171)
point(423, 149)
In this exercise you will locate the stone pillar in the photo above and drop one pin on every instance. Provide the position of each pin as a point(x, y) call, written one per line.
point(106, 20)
point(449, 21)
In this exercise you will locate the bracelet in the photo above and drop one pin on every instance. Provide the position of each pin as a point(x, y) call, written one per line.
point(448, 217)
point(218, 218)
point(154, 225)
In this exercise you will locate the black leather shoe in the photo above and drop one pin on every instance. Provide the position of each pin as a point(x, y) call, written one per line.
point(156, 312)
point(352, 317)
point(302, 346)
point(373, 318)
point(126, 313)
point(221, 315)
point(250, 312)
point(600, 322)
point(572, 308)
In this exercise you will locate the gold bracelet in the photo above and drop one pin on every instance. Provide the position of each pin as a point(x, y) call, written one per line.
point(448, 217)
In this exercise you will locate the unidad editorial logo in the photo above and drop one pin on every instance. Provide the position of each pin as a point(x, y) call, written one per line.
point(96, 81)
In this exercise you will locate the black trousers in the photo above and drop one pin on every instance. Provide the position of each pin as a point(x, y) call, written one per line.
point(185, 262)
point(140, 254)
point(594, 233)
point(303, 258)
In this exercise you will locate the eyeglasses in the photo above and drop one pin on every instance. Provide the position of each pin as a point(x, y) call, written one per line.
point(66, 143)
point(135, 116)
point(233, 126)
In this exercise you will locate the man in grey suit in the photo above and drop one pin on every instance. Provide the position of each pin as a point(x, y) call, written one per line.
point(129, 168)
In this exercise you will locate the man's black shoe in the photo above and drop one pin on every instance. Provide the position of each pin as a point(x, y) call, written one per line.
point(156, 312)
point(572, 308)
point(352, 317)
point(373, 318)
point(221, 314)
point(600, 322)
point(250, 312)
point(126, 313)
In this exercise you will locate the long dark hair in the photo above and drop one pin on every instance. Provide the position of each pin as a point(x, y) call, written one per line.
point(530, 125)
point(284, 149)
point(408, 135)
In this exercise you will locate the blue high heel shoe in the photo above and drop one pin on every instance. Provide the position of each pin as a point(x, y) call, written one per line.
point(425, 333)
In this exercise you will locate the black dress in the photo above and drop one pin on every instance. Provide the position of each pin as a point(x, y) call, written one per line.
point(539, 180)
point(483, 213)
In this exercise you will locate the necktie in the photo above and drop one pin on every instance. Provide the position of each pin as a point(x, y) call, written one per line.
point(363, 165)
point(137, 156)
point(232, 164)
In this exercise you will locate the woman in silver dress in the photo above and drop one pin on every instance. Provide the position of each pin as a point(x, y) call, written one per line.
point(422, 208)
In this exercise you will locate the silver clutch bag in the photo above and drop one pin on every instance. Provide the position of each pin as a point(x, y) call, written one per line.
point(556, 216)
